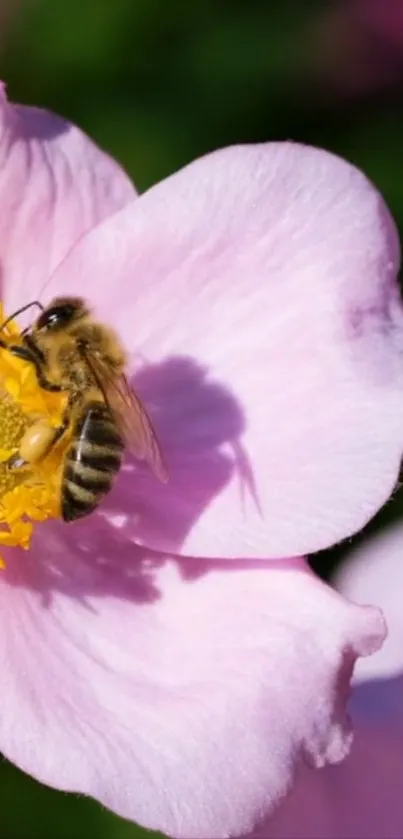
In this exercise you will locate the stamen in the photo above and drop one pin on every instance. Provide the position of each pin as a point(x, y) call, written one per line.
point(28, 494)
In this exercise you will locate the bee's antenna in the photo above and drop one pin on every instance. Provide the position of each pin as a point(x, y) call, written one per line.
point(19, 312)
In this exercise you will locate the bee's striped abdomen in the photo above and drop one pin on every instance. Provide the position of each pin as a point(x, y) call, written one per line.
point(92, 461)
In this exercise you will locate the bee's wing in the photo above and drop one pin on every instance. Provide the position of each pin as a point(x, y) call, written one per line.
point(131, 416)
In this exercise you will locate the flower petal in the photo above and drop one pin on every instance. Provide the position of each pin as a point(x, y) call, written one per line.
point(362, 798)
point(258, 286)
point(179, 693)
point(54, 185)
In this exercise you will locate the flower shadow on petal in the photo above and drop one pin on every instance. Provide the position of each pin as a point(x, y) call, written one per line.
point(96, 561)
point(40, 126)
point(91, 559)
point(102, 554)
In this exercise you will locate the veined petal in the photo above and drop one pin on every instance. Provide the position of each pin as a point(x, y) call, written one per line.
point(180, 693)
point(55, 184)
point(257, 287)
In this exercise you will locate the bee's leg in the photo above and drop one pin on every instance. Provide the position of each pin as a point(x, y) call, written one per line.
point(44, 383)
point(62, 428)
point(27, 355)
point(16, 461)
point(20, 352)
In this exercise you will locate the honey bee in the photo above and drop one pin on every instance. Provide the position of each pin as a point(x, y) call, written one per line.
point(73, 353)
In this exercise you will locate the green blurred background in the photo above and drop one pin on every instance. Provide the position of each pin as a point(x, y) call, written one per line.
point(157, 83)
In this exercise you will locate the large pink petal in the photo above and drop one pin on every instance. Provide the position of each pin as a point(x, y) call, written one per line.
point(362, 798)
point(55, 184)
point(258, 287)
point(180, 693)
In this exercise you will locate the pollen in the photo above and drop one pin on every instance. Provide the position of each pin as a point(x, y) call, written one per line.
point(27, 494)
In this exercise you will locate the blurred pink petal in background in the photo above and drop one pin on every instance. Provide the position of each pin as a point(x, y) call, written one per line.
point(383, 16)
point(362, 799)
point(359, 46)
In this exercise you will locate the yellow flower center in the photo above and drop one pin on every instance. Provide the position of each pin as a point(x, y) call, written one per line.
point(30, 493)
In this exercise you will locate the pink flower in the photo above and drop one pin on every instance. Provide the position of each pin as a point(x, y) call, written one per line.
point(359, 46)
point(257, 288)
point(361, 799)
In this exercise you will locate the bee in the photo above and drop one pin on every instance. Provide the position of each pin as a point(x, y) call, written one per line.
point(73, 353)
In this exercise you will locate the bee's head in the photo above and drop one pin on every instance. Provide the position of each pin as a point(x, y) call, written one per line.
point(62, 312)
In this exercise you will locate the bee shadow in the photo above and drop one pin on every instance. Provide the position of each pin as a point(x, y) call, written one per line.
point(199, 424)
